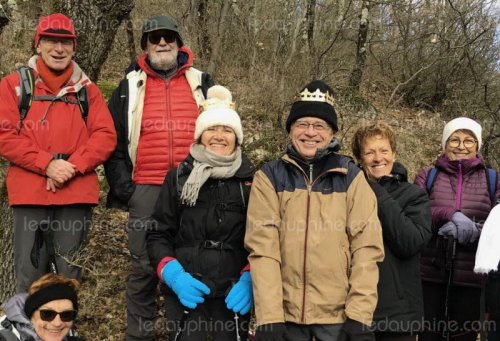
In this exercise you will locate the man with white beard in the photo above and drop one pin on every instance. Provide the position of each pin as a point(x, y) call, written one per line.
point(154, 109)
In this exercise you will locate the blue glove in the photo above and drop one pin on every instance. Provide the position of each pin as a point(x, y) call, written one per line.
point(467, 230)
point(189, 290)
point(448, 230)
point(240, 297)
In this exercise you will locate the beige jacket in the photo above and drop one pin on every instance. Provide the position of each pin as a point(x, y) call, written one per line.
point(313, 245)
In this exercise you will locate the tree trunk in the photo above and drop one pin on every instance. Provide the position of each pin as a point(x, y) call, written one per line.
point(310, 19)
point(361, 48)
point(97, 22)
point(219, 37)
point(203, 36)
point(129, 27)
point(7, 277)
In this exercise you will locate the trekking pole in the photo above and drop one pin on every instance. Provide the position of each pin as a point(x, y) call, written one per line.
point(185, 314)
point(182, 325)
point(236, 318)
point(450, 267)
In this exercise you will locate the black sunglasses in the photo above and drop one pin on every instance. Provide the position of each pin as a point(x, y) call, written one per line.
point(155, 36)
point(48, 315)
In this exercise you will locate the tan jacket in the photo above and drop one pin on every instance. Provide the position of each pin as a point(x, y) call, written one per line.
point(313, 245)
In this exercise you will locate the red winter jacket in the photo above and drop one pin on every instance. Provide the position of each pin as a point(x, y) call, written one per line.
point(473, 201)
point(50, 128)
point(168, 120)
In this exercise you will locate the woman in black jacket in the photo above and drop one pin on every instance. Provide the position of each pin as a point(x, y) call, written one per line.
point(404, 214)
point(196, 243)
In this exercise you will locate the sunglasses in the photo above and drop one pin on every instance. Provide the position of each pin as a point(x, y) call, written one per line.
point(49, 315)
point(155, 36)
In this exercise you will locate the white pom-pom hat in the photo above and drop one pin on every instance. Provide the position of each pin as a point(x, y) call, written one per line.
point(218, 109)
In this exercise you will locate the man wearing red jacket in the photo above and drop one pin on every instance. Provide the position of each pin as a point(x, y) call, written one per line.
point(154, 109)
point(53, 152)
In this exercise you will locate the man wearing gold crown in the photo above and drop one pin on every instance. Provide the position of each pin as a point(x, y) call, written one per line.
point(154, 109)
point(313, 234)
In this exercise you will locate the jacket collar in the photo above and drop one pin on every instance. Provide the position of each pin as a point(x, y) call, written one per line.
point(469, 165)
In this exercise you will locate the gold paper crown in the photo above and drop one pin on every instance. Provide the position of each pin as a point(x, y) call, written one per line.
point(215, 103)
point(316, 96)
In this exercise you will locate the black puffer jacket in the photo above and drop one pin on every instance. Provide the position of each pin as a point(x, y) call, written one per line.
point(207, 239)
point(405, 216)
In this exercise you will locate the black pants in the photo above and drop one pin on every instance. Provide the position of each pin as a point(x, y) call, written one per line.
point(394, 337)
point(209, 321)
point(464, 312)
point(492, 301)
point(306, 332)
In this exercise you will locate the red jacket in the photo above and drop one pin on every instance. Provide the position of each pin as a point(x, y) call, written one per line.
point(50, 128)
point(168, 120)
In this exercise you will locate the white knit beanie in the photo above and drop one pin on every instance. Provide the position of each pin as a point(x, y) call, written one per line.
point(218, 109)
point(462, 123)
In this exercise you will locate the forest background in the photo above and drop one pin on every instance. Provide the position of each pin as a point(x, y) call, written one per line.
point(413, 63)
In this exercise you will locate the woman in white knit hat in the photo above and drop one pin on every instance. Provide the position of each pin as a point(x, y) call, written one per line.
point(462, 192)
point(196, 244)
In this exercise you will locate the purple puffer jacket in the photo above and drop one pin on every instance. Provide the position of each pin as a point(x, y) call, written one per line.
point(459, 186)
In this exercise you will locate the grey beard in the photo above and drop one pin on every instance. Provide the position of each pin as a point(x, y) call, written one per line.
point(161, 65)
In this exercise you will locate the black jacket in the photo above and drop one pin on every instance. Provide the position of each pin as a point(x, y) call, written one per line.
point(405, 216)
point(207, 239)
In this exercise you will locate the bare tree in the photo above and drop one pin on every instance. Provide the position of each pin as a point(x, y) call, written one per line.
point(361, 48)
point(97, 21)
point(219, 38)
point(202, 13)
point(129, 27)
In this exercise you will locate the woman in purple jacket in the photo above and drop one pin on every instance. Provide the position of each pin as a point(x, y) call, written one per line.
point(460, 203)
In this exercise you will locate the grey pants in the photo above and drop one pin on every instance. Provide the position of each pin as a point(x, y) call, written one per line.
point(69, 225)
point(142, 282)
point(321, 332)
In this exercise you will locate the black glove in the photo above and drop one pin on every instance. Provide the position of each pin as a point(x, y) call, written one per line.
point(356, 331)
point(270, 332)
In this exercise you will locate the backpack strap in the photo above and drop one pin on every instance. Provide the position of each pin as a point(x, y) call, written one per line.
point(431, 178)
point(491, 180)
point(27, 86)
point(27, 95)
point(83, 101)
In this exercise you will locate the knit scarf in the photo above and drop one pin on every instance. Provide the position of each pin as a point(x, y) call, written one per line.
point(55, 81)
point(208, 165)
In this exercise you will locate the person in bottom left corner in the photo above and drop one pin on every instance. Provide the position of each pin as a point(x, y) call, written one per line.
point(46, 313)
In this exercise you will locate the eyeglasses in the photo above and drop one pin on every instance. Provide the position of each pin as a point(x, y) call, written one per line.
point(317, 126)
point(55, 41)
point(155, 36)
point(468, 143)
point(49, 315)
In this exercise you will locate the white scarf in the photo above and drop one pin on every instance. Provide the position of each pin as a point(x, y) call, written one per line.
point(488, 250)
point(208, 165)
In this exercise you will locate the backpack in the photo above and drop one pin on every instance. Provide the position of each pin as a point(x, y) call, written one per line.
point(7, 331)
point(491, 180)
point(26, 96)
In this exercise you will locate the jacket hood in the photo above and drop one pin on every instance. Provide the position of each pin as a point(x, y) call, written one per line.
point(14, 310)
point(185, 59)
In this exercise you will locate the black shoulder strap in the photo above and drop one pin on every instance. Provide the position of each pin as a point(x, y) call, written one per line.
point(83, 100)
point(491, 181)
point(27, 86)
point(6, 333)
point(431, 178)
point(206, 83)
